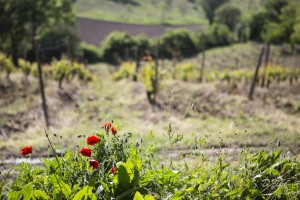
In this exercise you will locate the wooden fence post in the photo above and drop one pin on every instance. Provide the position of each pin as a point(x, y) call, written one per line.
point(202, 66)
point(251, 92)
point(41, 83)
point(266, 65)
point(156, 73)
point(137, 62)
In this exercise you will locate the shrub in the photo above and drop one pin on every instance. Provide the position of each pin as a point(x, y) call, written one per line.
point(215, 35)
point(6, 65)
point(65, 69)
point(229, 15)
point(26, 67)
point(119, 46)
point(90, 53)
point(126, 70)
point(186, 72)
point(179, 41)
point(257, 25)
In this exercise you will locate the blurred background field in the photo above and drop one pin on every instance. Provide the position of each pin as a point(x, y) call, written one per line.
point(204, 73)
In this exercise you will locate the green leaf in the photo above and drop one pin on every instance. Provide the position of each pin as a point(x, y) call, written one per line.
point(12, 195)
point(27, 192)
point(130, 169)
point(149, 197)
point(86, 193)
point(40, 195)
point(136, 158)
point(136, 178)
point(68, 155)
point(138, 196)
point(255, 192)
point(170, 130)
point(60, 188)
point(190, 189)
point(123, 177)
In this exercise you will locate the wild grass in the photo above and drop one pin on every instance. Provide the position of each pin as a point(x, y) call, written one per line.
point(240, 121)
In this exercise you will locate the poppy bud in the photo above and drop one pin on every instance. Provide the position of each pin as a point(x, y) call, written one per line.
point(113, 170)
point(114, 131)
point(107, 126)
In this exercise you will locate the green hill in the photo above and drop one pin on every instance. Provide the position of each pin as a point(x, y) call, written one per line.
point(142, 12)
point(151, 11)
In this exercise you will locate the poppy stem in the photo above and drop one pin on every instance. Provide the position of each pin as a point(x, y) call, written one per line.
point(47, 136)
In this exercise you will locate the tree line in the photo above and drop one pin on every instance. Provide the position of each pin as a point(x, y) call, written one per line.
point(27, 24)
point(277, 22)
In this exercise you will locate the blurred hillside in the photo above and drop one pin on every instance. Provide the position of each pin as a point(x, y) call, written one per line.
point(153, 11)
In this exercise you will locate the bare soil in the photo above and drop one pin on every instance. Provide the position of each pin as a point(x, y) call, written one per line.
point(94, 31)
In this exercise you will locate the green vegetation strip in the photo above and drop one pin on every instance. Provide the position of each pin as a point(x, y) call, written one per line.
point(113, 166)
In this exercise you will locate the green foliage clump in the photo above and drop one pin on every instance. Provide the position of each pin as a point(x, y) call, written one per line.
point(65, 69)
point(126, 70)
point(186, 72)
point(176, 41)
point(80, 70)
point(279, 30)
point(215, 35)
point(26, 67)
point(148, 76)
point(119, 46)
point(26, 22)
point(257, 24)
point(90, 53)
point(6, 65)
point(295, 37)
point(229, 15)
point(128, 170)
point(210, 6)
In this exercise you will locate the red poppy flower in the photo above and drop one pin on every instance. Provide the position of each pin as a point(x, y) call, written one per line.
point(113, 170)
point(94, 164)
point(107, 126)
point(92, 140)
point(26, 150)
point(85, 152)
point(113, 130)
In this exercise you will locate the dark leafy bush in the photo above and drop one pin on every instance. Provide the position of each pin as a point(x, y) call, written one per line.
point(229, 15)
point(215, 35)
point(120, 46)
point(257, 25)
point(179, 41)
point(90, 53)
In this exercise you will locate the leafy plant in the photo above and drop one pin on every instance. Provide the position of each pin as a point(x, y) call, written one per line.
point(127, 170)
point(6, 65)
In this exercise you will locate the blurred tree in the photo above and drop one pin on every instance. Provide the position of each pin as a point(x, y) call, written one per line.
point(215, 35)
point(24, 21)
point(179, 41)
point(229, 15)
point(119, 46)
point(282, 30)
point(257, 25)
point(295, 37)
point(273, 8)
point(209, 7)
point(13, 30)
